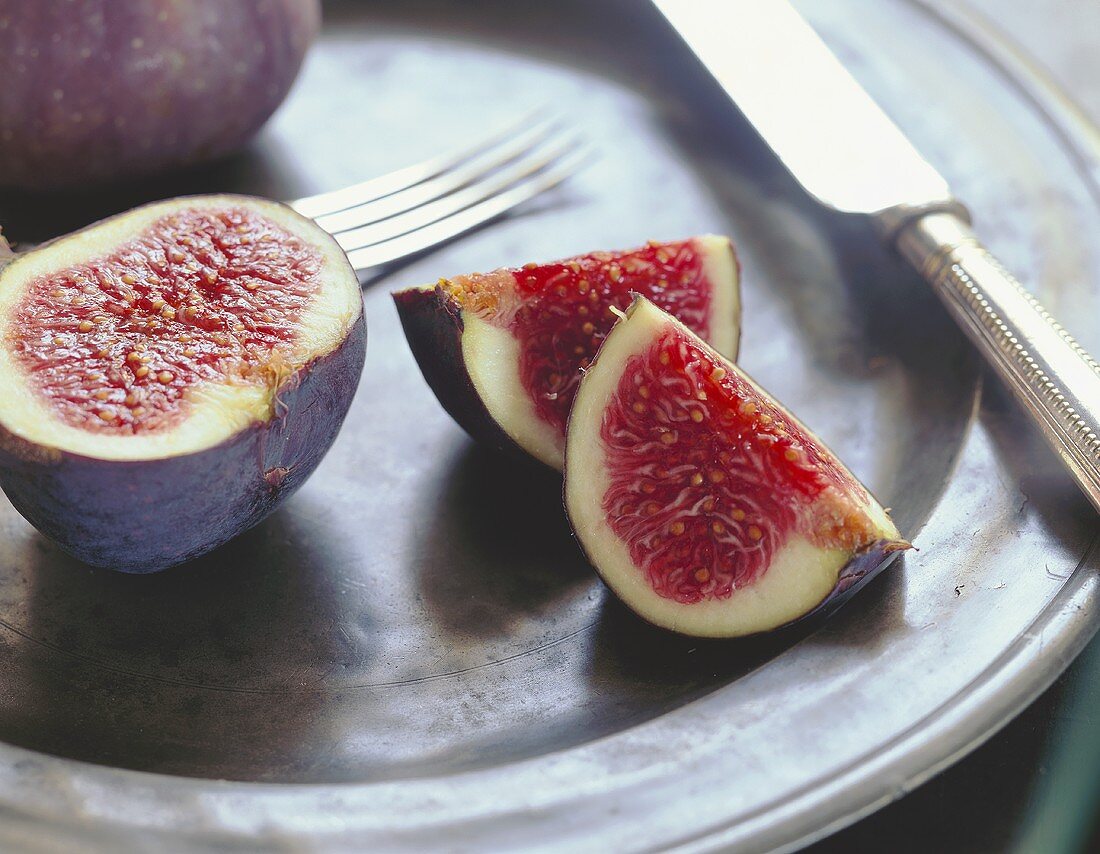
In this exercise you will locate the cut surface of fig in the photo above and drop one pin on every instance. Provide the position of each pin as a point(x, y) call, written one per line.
point(705, 505)
point(115, 337)
point(179, 330)
point(504, 350)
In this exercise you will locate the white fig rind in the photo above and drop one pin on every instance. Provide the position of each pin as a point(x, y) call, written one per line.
point(720, 267)
point(491, 357)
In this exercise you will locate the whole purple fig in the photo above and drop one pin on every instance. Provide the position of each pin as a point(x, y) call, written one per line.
point(98, 89)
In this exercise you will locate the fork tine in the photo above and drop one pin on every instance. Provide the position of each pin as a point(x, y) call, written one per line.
point(418, 218)
point(470, 218)
point(381, 186)
point(442, 184)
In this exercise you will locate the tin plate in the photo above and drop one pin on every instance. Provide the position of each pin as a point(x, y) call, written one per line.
point(413, 654)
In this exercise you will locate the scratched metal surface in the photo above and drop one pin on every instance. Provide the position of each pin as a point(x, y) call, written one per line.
point(413, 651)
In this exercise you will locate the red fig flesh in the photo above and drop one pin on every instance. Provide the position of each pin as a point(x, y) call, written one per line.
point(504, 351)
point(158, 367)
point(703, 503)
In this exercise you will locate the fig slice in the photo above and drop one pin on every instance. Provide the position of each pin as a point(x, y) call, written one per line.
point(704, 504)
point(503, 351)
point(168, 376)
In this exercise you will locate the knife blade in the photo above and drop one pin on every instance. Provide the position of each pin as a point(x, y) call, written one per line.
point(846, 153)
point(800, 98)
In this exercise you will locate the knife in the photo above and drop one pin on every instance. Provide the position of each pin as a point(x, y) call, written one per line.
point(787, 83)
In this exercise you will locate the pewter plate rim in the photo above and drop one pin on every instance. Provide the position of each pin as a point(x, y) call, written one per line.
point(211, 813)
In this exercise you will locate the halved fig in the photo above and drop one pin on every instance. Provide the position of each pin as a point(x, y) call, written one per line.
point(503, 351)
point(705, 505)
point(168, 376)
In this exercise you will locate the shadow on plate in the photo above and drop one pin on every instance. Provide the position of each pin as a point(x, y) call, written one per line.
point(499, 550)
point(261, 169)
point(650, 671)
point(212, 669)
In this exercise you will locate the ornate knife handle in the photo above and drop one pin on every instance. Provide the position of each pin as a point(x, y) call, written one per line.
point(1057, 382)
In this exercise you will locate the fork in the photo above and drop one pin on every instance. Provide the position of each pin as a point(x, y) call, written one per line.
point(403, 213)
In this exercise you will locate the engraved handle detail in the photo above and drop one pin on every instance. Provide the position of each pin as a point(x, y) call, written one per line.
point(1057, 382)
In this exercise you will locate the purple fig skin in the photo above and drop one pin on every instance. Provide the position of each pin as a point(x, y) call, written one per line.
point(102, 89)
point(432, 320)
point(856, 574)
point(147, 515)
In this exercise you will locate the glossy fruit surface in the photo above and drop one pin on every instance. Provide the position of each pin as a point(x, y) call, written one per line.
point(169, 375)
point(102, 89)
point(504, 351)
point(703, 503)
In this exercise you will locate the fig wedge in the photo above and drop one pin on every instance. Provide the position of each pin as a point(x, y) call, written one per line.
point(170, 375)
point(703, 503)
point(503, 351)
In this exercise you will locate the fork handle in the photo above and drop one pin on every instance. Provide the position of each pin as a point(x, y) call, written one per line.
point(1051, 375)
